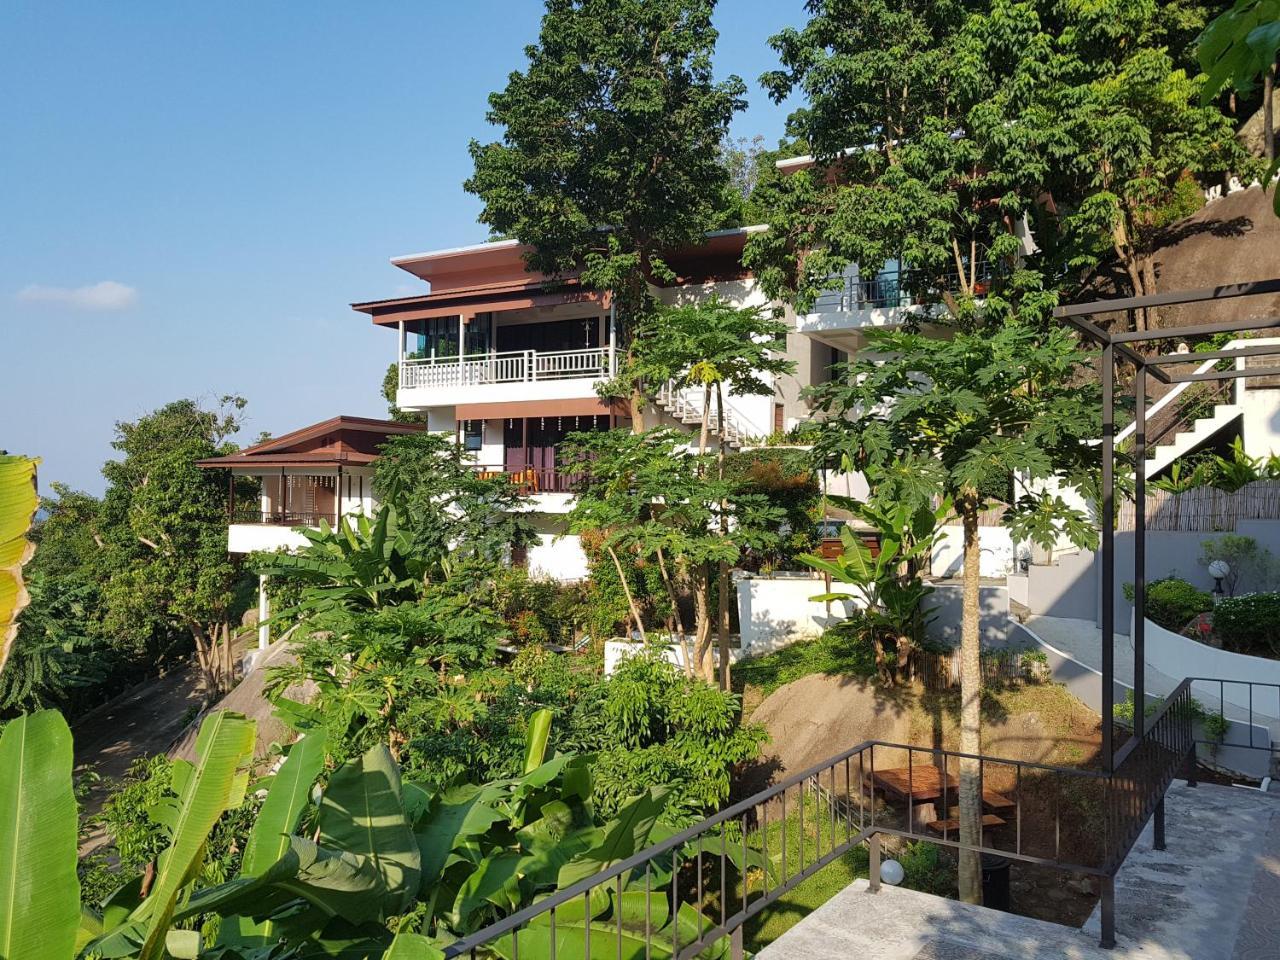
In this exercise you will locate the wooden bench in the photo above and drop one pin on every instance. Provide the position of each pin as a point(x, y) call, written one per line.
point(953, 826)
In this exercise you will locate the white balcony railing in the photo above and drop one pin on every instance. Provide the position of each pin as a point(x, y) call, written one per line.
point(520, 366)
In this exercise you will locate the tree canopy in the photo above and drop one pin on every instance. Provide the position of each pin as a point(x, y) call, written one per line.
point(609, 153)
point(1034, 141)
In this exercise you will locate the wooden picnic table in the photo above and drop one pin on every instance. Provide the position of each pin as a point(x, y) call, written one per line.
point(923, 783)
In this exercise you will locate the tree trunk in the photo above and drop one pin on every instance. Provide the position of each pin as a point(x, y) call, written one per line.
point(970, 872)
point(637, 410)
point(722, 582)
point(204, 659)
point(228, 659)
point(702, 624)
point(1268, 118)
point(631, 601)
point(675, 615)
point(1120, 238)
point(706, 418)
point(1148, 267)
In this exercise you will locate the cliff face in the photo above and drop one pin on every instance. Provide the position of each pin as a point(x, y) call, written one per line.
point(1234, 239)
point(1231, 240)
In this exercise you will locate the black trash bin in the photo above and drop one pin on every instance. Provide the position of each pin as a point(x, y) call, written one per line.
point(995, 882)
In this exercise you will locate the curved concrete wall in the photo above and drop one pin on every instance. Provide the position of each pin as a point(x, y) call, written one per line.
point(1237, 753)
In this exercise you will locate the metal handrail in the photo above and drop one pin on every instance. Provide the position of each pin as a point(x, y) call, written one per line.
point(1254, 718)
point(837, 822)
point(680, 399)
point(281, 518)
point(532, 479)
point(480, 357)
point(893, 288)
point(1179, 388)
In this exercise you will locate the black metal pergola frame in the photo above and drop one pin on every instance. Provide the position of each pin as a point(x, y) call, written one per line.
point(1119, 344)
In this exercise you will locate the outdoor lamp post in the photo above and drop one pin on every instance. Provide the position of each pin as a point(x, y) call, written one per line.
point(1218, 569)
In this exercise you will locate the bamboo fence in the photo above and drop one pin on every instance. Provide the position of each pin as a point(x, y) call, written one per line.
point(1205, 509)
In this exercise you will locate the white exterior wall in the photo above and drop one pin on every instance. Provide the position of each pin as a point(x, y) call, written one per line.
point(556, 556)
point(248, 537)
point(778, 610)
point(1261, 421)
point(995, 543)
point(431, 398)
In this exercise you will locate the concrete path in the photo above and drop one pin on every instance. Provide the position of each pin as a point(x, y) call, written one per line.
point(1082, 641)
point(1212, 895)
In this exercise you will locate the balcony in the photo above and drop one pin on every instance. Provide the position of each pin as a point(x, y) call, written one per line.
point(840, 315)
point(500, 377)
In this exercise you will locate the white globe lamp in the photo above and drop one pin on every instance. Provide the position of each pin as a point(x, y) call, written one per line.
point(891, 872)
point(1219, 570)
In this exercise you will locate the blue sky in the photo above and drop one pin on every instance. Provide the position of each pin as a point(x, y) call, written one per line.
point(194, 193)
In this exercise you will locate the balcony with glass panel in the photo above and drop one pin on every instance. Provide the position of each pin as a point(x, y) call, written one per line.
point(855, 302)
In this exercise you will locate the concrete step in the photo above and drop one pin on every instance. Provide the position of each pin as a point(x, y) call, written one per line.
point(1211, 895)
point(1184, 441)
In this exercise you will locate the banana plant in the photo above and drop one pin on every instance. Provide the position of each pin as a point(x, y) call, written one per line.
point(39, 891)
point(18, 502)
point(361, 564)
point(886, 582)
point(137, 920)
point(447, 861)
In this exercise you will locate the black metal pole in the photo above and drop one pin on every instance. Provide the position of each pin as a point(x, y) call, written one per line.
point(1139, 551)
point(1108, 940)
point(1158, 826)
point(1107, 587)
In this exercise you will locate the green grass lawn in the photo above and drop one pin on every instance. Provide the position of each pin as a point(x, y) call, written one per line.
point(924, 871)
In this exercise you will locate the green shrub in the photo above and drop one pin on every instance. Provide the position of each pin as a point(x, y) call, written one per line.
point(1172, 602)
point(1249, 624)
point(650, 724)
point(925, 870)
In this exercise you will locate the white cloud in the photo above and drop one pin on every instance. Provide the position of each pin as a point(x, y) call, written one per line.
point(107, 295)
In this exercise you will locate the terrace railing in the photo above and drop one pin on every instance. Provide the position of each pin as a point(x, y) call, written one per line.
point(280, 518)
point(515, 367)
point(895, 288)
point(530, 480)
point(696, 889)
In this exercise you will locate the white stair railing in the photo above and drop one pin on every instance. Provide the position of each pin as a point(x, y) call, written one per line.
point(1180, 388)
point(683, 405)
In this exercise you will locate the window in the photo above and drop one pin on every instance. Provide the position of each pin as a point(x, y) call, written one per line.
point(472, 435)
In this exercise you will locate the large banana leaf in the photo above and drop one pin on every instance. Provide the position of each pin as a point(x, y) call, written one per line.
point(644, 933)
point(336, 883)
point(362, 812)
point(215, 784)
point(412, 946)
point(39, 892)
point(270, 837)
point(623, 837)
point(18, 502)
point(286, 798)
point(459, 813)
point(536, 739)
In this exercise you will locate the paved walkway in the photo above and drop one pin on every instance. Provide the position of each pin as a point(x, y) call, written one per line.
point(1082, 641)
point(1212, 895)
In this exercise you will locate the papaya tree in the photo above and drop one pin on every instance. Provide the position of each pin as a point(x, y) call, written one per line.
point(1003, 417)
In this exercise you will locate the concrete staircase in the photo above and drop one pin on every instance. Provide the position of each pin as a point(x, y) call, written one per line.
point(1211, 895)
point(1186, 437)
point(684, 405)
